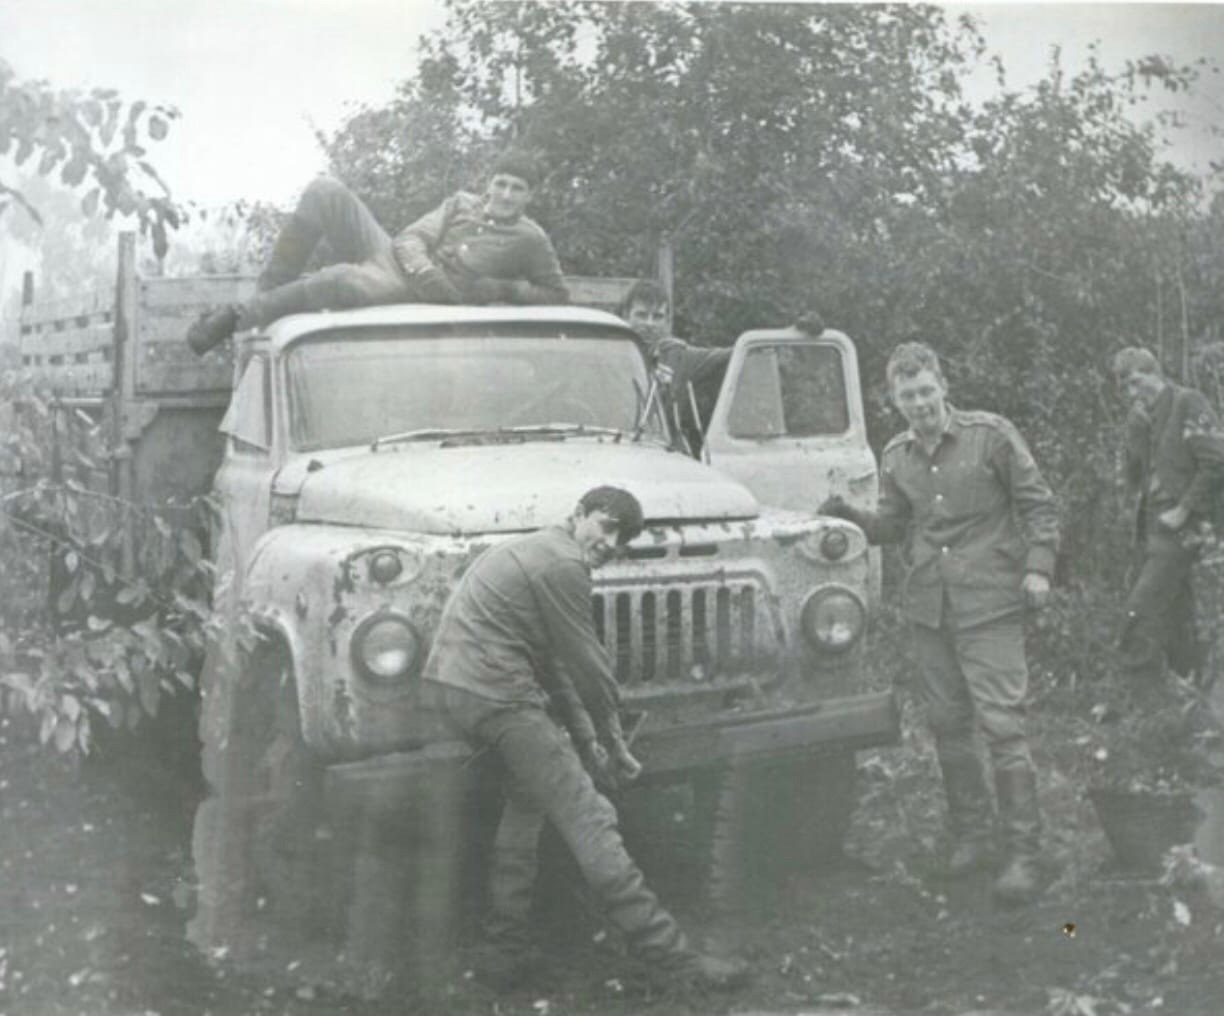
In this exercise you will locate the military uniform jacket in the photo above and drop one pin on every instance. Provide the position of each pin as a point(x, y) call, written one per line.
point(974, 516)
point(1175, 456)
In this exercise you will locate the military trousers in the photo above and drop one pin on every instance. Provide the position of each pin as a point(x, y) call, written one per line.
point(363, 268)
point(1158, 625)
point(546, 781)
point(975, 679)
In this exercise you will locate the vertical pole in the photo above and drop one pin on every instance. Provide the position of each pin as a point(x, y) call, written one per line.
point(665, 270)
point(27, 289)
point(123, 389)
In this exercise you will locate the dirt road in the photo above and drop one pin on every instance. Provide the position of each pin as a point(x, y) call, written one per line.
point(96, 888)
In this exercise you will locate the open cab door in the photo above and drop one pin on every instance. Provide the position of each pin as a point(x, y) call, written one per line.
point(789, 420)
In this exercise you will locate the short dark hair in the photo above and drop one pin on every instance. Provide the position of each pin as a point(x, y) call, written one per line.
point(910, 358)
point(1135, 360)
point(520, 164)
point(618, 504)
point(644, 291)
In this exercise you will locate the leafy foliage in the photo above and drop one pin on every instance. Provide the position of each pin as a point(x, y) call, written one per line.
point(108, 601)
point(96, 142)
point(811, 154)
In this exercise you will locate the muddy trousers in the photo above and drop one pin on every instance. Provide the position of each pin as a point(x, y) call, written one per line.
point(973, 680)
point(1158, 626)
point(547, 782)
point(365, 270)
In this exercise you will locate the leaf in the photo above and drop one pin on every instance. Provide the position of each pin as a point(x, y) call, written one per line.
point(65, 735)
point(70, 705)
point(72, 561)
point(191, 546)
point(89, 204)
point(88, 584)
point(157, 127)
point(149, 691)
point(98, 624)
point(67, 595)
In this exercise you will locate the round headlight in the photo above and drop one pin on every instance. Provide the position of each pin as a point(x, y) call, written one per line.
point(834, 544)
point(386, 647)
point(385, 566)
point(833, 619)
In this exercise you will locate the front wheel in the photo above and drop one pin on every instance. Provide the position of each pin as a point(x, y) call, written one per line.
point(258, 839)
point(763, 821)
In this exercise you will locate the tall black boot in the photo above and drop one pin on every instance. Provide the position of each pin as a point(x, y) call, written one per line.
point(291, 252)
point(970, 817)
point(1020, 881)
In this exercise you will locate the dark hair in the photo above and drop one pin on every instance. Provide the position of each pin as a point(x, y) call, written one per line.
point(911, 358)
point(620, 505)
point(645, 291)
point(1135, 360)
point(520, 164)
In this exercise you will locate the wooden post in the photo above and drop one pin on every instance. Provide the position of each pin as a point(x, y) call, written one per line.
point(665, 271)
point(123, 388)
point(27, 289)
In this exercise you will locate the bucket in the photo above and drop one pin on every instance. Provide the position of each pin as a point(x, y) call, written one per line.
point(1142, 825)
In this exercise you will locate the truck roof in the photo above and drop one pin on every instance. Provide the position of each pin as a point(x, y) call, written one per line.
point(286, 330)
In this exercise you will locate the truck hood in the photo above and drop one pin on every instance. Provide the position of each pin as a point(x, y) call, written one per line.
point(504, 488)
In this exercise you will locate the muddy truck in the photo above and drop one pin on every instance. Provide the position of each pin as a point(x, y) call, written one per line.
point(361, 459)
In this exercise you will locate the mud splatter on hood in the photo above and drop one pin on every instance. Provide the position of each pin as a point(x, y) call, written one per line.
point(488, 489)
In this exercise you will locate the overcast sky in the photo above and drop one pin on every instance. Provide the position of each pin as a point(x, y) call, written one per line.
point(252, 77)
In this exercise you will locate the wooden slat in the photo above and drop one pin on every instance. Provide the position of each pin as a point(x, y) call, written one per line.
point(600, 293)
point(197, 292)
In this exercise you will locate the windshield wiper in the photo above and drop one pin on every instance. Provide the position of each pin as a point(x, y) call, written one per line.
point(429, 434)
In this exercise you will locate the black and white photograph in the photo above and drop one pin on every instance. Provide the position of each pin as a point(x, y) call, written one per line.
point(611, 507)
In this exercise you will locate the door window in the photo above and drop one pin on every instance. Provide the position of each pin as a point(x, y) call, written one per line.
point(248, 421)
point(789, 390)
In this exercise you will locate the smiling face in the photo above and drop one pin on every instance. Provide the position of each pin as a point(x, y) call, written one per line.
point(597, 534)
point(920, 398)
point(1141, 389)
point(649, 320)
point(506, 196)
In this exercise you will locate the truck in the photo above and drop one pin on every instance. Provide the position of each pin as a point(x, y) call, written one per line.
point(361, 459)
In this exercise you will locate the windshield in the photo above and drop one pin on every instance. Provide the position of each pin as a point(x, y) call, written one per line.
point(352, 387)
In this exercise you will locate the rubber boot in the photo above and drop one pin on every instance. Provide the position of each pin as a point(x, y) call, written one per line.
point(291, 252)
point(213, 327)
point(969, 813)
point(1020, 880)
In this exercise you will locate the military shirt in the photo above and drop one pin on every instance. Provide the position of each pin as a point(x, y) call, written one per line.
point(467, 243)
point(522, 609)
point(974, 516)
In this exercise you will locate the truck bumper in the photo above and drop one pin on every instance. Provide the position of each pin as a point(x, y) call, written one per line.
point(829, 727)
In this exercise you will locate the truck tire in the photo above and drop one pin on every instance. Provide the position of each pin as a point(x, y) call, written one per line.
point(764, 821)
point(257, 842)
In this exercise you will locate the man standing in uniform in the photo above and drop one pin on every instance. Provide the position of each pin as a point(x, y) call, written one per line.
point(1174, 465)
point(518, 624)
point(473, 248)
point(980, 527)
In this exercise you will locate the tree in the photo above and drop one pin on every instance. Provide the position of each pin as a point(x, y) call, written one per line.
point(799, 153)
point(96, 141)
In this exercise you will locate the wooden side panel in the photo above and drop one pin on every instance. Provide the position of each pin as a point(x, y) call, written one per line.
point(164, 363)
point(598, 293)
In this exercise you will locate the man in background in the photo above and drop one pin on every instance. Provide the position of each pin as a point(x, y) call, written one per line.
point(1173, 457)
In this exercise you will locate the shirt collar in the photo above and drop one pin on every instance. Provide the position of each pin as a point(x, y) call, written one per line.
point(951, 427)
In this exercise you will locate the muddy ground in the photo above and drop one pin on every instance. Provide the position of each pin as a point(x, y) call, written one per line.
point(96, 889)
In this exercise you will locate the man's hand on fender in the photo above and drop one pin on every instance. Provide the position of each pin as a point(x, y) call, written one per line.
point(625, 765)
point(1036, 589)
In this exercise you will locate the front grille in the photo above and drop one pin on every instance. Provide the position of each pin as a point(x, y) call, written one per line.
point(684, 632)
